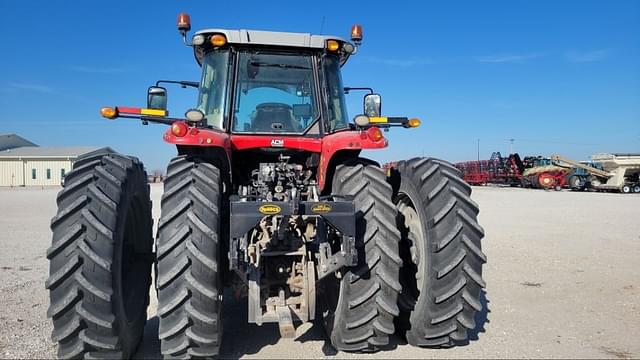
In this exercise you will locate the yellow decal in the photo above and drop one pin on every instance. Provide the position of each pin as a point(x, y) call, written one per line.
point(269, 209)
point(321, 208)
point(378, 119)
point(153, 112)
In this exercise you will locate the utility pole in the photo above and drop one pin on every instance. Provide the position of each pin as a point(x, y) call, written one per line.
point(511, 146)
point(478, 149)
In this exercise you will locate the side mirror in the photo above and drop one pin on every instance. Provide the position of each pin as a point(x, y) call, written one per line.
point(372, 105)
point(157, 98)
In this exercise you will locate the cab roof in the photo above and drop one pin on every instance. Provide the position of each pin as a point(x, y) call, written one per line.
point(267, 38)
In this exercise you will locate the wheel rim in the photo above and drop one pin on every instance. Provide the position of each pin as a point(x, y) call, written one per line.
point(132, 266)
point(411, 233)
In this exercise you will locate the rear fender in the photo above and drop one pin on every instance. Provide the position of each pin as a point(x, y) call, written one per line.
point(342, 146)
point(210, 144)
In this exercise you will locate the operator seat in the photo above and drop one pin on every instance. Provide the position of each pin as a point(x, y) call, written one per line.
point(272, 117)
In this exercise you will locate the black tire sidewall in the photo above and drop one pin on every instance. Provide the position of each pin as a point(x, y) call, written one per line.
point(130, 332)
point(408, 188)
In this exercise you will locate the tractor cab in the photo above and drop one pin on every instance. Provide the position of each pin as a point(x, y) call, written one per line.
point(259, 82)
point(264, 82)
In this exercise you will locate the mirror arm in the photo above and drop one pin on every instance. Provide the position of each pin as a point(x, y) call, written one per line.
point(165, 121)
point(183, 83)
point(347, 89)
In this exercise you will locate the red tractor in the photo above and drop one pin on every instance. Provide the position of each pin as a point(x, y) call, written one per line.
point(268, 195)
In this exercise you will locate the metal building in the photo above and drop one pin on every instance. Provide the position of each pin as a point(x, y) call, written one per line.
point(23, 163)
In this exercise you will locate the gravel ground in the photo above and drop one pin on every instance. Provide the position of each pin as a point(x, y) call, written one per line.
point(563, 282)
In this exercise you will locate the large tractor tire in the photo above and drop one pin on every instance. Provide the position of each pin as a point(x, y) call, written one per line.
point(594, 181)
point(576, 182)
point(188, 250)
point(101, 258)
point(441, 275)
point(358, 308)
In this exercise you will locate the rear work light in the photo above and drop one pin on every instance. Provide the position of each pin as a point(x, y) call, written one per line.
point(333, 45)
point(179, 129)
point(218, 40)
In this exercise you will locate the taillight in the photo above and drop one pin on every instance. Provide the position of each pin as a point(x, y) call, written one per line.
point(179, 128)
point(375, 134)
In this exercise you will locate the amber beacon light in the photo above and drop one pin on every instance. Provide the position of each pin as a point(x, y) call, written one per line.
point(356, 34)
point(184, 22)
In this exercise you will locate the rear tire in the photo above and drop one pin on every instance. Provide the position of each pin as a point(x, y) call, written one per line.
point(625, 189)
point(594, 181)
point(189, 282)
point(100, 258)
point(358, 310)
point(576, 182)
point(441, 251)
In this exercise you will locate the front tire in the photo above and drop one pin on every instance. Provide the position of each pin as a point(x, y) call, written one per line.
point(100, 258)
point(440, 247)
point(189, 282)
point(358, 309)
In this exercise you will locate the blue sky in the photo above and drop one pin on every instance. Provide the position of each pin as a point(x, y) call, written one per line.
point(555, 76)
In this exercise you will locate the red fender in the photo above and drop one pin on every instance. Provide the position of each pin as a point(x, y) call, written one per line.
point(327, 146)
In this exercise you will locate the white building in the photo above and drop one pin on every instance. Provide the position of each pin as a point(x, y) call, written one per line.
point(23, 163)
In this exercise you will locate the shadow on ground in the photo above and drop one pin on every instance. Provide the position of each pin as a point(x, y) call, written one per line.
point(482, 317)
point(241, 338)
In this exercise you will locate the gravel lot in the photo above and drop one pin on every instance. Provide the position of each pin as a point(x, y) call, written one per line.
point(563, 281)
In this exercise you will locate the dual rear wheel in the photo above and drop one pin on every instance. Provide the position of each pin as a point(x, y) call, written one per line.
point(100, 258)
point(437, 261)
point(442, 258)
point(418, 273)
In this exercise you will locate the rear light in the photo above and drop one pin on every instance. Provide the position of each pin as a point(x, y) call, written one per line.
point(361, 120)
point(198, 40)
point(333, 45)
point(375, 134)
point(218, 40)
point(179, 129)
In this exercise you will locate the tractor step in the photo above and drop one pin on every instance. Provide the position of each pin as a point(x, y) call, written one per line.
point(285, 322)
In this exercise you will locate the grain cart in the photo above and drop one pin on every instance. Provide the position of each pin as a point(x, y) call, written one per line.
point(268, 195)
point(614, 172)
